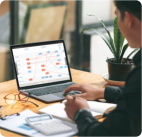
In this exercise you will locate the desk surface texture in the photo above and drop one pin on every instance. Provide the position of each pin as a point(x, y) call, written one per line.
point(78, 76)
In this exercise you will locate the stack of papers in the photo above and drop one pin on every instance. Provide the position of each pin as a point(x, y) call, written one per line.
point(18, 124)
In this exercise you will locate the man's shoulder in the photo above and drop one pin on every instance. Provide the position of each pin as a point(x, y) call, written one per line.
point(135, 74)
point(133, 82)
point(138, 65)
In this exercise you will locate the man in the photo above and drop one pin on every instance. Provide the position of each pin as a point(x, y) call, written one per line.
point(125, 120)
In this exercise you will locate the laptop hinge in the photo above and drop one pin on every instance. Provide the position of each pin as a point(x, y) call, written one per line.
point(23, 90)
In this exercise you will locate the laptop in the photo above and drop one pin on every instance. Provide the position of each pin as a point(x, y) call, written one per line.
point(42, 70)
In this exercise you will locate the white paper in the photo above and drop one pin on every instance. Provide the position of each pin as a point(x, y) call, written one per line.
point(18, 124)
point(57, 110)
point(99, 106)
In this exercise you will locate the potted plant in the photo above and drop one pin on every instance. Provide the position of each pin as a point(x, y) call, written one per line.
point(118, 67)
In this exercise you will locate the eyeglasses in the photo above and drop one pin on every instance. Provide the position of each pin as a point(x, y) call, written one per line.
point(12, 99)
point(9, 116)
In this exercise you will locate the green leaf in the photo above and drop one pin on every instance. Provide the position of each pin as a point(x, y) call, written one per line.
point(123, 51)
point(118, 40)
point(104, 37)
point(130, 55)
point(111, 40)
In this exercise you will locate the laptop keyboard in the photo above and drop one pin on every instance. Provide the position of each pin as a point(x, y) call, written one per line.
point(49, 90)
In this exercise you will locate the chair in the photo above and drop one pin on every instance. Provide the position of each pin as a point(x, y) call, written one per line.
point(44, 22)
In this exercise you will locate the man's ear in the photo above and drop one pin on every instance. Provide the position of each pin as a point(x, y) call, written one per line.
point(129, 19)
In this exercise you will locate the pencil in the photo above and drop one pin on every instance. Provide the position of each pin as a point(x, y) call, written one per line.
point(74, 96)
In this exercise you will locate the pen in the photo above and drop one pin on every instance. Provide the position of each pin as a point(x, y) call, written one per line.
point(0, 109)
point(74, 96)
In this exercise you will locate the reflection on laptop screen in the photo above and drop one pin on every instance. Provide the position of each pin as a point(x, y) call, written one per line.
point(41, 64)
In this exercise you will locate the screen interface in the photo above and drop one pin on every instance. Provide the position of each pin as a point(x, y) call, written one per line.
point(41, 64)
point(39, 118)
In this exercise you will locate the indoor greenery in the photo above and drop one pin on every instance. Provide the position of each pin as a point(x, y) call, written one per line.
point(116, 45)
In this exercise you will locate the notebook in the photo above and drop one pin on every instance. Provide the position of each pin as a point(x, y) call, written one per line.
point(97, 109)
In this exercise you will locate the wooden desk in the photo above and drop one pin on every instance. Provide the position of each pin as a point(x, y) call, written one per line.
point(80, 77)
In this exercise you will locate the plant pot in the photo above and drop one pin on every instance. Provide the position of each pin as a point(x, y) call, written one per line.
point(119, 72)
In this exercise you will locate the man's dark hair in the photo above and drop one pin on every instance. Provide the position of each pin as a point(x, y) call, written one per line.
point(131, 6)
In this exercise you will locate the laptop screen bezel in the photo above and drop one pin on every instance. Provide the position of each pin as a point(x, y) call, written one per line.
point(39, 44)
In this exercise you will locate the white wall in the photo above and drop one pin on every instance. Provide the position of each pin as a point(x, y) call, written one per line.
point(100, 8)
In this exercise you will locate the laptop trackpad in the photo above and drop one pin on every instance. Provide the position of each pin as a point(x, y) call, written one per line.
point(49, 97)
point(60, 94)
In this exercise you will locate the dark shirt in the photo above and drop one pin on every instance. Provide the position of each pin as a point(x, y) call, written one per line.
point(125, 120)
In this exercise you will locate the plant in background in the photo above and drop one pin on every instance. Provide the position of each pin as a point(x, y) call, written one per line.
point(116, 45)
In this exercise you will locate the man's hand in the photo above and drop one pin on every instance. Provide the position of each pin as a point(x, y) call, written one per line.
point(88, 92)
point(72, 105)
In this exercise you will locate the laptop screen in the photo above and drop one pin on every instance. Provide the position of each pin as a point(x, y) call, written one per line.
point(40, 64)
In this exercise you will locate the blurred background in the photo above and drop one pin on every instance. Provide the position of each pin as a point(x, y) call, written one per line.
point(45, 20)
